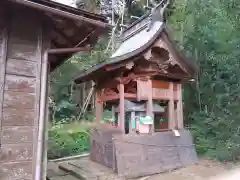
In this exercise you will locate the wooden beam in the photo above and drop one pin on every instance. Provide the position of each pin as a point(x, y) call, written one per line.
point(3, 62)
point(162, 130)
point(127, 65)
point(64, 36)
point(113, 115)
point(171, 124)
point(180, 123)
point(164, 94)
point(122, 110)
point(113, 67)
point(131, 122)
point(41, 64)
point(68, 50)
point(106, 98)
point(130, 96)
point(99, 107)
point(150, 101)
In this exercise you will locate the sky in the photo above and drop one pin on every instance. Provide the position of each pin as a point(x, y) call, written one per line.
point(67, 2)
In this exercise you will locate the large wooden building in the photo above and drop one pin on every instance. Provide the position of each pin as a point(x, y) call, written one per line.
point(142, 84)
point(35, 38)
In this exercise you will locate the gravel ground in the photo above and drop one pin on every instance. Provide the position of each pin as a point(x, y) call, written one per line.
point(205, 169)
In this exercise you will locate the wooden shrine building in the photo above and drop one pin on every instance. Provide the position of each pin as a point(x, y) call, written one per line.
point(36, 36)
point(142, 84)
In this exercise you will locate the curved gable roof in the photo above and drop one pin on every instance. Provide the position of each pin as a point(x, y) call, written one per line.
point(136, 40)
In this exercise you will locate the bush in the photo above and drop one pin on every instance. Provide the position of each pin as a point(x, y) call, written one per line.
point(68, 139)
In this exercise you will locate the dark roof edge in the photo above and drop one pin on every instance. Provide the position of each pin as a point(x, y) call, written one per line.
point(191, 66)
point(76, 10)
point(64, 12)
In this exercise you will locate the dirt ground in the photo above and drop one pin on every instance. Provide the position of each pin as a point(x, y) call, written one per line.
point(204, 170)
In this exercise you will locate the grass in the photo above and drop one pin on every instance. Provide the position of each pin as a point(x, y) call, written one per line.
point(69, 139)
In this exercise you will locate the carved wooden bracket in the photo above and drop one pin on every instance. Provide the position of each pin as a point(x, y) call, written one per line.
point(161, 55)
point(109, 91)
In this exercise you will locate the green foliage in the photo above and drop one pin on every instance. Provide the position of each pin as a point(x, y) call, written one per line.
point(61, 79)
point(68, 139)
point(209, 32)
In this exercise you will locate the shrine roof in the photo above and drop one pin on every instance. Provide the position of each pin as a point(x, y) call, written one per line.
point(135, 40)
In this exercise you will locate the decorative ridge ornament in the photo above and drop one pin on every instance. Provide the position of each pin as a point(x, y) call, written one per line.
point(157, 13)
point(145, 21)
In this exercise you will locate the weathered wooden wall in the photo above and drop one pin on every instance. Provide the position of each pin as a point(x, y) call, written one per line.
point(22, 45)
point(141, 155)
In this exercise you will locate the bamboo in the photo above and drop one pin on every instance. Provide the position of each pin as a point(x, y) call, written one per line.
point(85, 105)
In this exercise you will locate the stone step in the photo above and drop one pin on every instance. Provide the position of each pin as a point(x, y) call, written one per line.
point(54, 171)
point(76, 172)
point(85, 169)
point(66, 177)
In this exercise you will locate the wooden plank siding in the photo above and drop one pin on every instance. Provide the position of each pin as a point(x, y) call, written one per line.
point(164, 94)
point(20, 95)
point(163, 85)
point(16, 117)
point(21, 68)
point(16, 83)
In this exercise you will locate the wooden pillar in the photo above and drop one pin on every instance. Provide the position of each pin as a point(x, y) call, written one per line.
point(83, 94)
point(118, 120)
point(113, 116)
point(4, 33)
point(171, 122)
point(150, 102)
point(121, 109)
point(99, 107)
point(45, 159)
point(93, 97)
point(180, 124)
point(131, 122)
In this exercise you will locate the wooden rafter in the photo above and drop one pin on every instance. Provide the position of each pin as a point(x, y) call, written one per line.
point(63, 35)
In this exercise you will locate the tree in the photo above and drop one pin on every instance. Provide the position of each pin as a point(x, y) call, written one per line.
point(209, 32)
